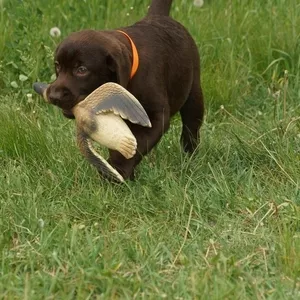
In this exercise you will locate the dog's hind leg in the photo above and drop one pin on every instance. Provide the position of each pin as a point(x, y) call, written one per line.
point(192, 113)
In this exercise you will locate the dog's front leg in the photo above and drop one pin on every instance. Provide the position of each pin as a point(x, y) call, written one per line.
point(146, 138)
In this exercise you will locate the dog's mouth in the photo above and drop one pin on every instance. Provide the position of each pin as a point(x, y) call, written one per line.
point(66, 104)
point(68, 114)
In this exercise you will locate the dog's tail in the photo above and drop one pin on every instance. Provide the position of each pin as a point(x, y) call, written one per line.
point(160, 7)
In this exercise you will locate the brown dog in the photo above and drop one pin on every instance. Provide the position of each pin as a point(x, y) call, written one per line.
point(167, 79)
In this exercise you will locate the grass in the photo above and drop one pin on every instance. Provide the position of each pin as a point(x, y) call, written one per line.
point(223, 224)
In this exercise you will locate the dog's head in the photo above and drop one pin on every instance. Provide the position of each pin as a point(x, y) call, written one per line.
point(84, 61)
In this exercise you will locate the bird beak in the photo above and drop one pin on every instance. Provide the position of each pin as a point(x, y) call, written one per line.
point(41, 89)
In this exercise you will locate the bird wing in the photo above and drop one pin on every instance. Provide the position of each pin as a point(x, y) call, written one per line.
point(112, 97)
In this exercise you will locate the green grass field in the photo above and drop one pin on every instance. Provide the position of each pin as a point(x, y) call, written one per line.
point(223, 224)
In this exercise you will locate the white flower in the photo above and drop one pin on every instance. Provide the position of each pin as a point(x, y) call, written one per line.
point(14, 84)
point(41, 221)
point(23, 77)
point(55, 32)
point(29, 100)
point(199, 3)
point(81, 226)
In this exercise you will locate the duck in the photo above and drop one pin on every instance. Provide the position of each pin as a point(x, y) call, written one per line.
point(100, 118)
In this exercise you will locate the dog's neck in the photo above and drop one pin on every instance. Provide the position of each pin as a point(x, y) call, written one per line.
point(135, 55)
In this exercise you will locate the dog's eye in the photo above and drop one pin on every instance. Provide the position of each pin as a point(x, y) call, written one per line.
point(81, 71)
point(57, 67)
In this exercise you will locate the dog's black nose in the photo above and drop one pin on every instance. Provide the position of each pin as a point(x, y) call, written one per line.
point(54, 97)
point(57, 95)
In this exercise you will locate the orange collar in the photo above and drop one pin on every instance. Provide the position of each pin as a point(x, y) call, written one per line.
point(135, 55)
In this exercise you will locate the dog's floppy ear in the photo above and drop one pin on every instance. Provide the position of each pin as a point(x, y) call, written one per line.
point(118, 61)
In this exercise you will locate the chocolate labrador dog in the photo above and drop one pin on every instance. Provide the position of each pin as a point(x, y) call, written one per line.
point(155, 59)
